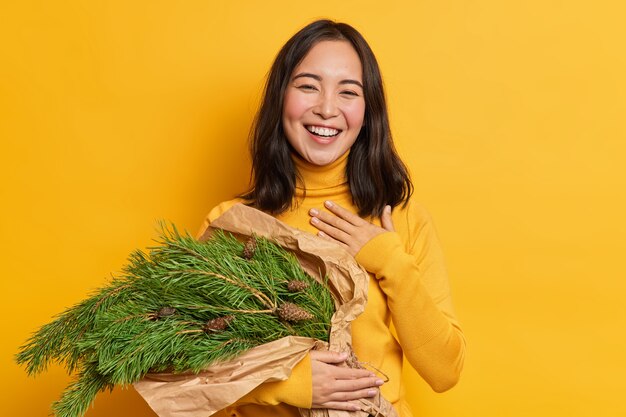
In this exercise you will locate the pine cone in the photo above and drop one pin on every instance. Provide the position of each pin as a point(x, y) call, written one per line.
point(297, 286)
point(292, 312)
point(249, 248)
point(165, 312)
point(218, 324)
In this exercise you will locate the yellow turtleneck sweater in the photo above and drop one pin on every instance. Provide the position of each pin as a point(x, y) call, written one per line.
point(408, 286)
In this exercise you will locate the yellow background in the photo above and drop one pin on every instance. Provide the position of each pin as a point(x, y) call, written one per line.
point(510, 115)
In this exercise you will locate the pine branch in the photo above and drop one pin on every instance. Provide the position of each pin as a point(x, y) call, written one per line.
point(56, 341)
point(180, 307)
point(258, 294)
point(81, 393)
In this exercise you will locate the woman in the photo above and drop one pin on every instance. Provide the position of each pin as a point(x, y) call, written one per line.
point(324, 162)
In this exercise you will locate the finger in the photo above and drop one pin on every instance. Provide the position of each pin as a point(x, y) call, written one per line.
point(354, 385)
point(329, 229)
point(353, 395)
point(351, 374)
point(385, 219)
point(330, 239)
point(331, 219)
point(342, 405)
point(331, 359)
point(328, 356)
point(346, 215)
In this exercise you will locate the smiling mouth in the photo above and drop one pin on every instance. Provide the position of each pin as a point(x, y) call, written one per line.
point(323, 132)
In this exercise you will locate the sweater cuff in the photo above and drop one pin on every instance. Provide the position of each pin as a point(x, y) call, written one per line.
point(297, 390)
point(374, 255)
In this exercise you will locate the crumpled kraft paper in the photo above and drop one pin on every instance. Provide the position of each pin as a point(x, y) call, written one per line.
point(222, 384)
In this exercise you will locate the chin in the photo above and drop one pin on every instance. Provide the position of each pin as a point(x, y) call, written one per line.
point(322, 160)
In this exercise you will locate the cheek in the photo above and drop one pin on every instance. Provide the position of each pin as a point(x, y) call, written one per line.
point(355, 114)
point(293, 107)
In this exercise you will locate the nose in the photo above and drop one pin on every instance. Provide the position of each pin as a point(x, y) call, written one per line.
point(326, 107)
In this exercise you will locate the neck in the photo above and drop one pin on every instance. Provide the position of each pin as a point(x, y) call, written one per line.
point(315, 177)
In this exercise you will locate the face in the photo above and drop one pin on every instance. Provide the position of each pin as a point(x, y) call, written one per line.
point(324, 106)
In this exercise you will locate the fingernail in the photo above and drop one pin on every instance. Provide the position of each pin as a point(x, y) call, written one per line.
point(379, 382)
point(314, 212)
point(388, 209)
point(343, 355)
point(321, 234)
point(372, 392)
point(314, 220)
point(328, 203)
point(355, 407)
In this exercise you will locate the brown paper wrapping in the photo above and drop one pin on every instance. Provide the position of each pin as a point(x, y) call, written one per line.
point(219, 386)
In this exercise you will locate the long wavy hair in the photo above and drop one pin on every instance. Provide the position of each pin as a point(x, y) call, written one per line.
point(376, 175)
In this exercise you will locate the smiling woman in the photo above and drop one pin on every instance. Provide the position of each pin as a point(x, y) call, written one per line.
point(376, 175)
point(324, 162)
point(324, 105)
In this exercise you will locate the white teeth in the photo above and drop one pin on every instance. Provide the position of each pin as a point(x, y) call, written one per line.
point(322, 131)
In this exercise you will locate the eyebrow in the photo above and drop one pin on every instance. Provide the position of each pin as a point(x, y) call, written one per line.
point(318, 78)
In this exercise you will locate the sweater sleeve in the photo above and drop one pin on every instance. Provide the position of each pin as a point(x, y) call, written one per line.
point(415, 281)
point(297, 390)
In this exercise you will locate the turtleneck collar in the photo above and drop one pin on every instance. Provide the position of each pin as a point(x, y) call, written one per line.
point(324, 179)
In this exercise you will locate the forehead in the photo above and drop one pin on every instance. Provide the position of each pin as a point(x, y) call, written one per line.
point(332, 59)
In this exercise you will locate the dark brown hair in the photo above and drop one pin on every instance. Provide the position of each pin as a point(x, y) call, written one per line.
point(376, 175)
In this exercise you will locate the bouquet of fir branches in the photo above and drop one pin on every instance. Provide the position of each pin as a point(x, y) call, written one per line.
point(181, 307)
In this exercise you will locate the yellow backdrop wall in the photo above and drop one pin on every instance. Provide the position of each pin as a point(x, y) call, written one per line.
point(510, 115)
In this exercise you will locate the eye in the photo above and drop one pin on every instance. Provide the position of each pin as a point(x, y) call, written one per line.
point(307, 87)
point(350, 93)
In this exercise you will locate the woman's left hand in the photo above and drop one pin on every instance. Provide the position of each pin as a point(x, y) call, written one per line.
point(346, 228)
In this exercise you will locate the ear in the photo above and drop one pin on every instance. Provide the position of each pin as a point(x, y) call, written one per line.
point(385, 219)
